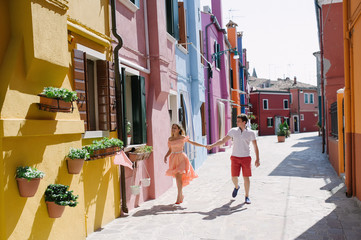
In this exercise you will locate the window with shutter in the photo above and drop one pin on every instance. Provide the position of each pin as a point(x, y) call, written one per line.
point(80, 84)
point(172, 18)
point(139, 110)
point(94, 82)
point(203, 115)
point(182, 25)
point(201, 45)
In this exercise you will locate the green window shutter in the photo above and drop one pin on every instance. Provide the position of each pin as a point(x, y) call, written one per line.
point(175, 19)
point(139, 110)
point(219, 58)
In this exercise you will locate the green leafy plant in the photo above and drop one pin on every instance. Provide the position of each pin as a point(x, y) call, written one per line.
point(59, 194)
point(128, 127)
point(29, 173)
point(76, 153)
point(144, 149)
point(62, 93)
point(115, 142)
point(254, 126)
point(283, 130)
point(251, 117)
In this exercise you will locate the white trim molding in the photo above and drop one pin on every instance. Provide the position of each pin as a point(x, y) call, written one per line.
point(129, 5)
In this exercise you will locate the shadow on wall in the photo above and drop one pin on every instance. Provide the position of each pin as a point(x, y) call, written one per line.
point(32, 151)
point(96, 184)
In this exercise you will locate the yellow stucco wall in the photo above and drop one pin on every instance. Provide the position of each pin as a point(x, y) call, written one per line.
point(36, 54)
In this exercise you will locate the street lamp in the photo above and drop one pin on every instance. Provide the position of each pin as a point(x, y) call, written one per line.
point(218, 54)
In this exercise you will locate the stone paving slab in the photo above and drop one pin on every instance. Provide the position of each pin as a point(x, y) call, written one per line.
point(295, 194)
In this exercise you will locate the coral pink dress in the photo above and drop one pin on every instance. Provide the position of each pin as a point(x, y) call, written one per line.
point(179, 162)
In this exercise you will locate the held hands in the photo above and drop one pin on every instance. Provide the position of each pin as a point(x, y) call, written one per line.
point(209, 147)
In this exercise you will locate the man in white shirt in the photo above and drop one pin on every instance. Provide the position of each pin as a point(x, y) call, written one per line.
point(241, 156)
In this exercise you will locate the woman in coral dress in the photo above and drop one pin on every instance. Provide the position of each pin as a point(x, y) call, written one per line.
point(179, 165)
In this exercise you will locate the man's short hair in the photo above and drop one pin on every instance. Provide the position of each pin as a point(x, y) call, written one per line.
point(243, 117)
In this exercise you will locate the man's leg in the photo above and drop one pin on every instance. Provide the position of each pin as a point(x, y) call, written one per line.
point(235, 181)
point(246, 185)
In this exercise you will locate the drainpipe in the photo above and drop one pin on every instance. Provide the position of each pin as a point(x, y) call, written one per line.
point(118, 87)
point(348, 110)
point(208, 82)
point(322, 75)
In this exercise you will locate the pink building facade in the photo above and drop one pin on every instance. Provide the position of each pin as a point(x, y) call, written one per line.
point(147, 62)
point(304, 110)
point(218, 109)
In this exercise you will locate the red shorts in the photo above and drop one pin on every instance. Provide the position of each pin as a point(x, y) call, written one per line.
point(241, 162)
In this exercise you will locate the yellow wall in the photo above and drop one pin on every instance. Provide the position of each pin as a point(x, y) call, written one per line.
point(36, 54)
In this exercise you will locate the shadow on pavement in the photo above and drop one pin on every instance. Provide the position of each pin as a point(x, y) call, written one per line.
point(158, 209)
point(224, 210)
point(344, 222)
point(308, 163)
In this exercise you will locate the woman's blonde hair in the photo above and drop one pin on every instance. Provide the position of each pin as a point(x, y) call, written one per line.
point(181, 131)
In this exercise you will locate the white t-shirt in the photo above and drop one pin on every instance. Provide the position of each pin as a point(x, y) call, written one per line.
point(241, 141)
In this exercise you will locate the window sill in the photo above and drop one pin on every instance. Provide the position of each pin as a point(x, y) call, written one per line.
point(182, 49)
point(95, 134)
point(171, 38)
point(129, 5)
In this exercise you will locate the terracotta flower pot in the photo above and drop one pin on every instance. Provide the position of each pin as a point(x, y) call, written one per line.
point(54, 104)
point(74, 165)
point(55, 210)
point(281, 138)
point(28, 188)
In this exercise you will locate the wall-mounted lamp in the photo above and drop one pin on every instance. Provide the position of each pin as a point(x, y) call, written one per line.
point(218, 54)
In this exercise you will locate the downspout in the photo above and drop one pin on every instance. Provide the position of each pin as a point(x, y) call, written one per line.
point(322, 76)
point(118, 88)
point(259, 113)
point(348, 112)
point(298, 111)
point(208, 82)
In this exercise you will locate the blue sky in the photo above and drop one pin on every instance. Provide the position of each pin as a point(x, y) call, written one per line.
point(280, 36)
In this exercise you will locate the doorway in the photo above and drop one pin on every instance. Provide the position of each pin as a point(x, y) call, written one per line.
point(296, 124)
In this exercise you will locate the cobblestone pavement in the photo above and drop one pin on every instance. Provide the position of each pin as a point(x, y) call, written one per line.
point(295, 194)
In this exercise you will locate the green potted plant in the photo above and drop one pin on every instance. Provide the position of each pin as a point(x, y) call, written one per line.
point(141, 153)
point(254, 127)
point(129, 136)
point(57, 197)
point(283, 132)
point(75, 159)
point(57, 99)
point(28, 179)
point(104, 147)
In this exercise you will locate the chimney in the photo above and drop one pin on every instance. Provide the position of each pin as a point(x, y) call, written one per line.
point(294, 80)
point(207, 9)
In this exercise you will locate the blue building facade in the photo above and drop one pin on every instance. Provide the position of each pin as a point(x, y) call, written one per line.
point(242, 83)
point(190, 85)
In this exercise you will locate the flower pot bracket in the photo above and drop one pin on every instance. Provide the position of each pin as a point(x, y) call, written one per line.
point(54, 104)
point(133, 156)
point(102, 153)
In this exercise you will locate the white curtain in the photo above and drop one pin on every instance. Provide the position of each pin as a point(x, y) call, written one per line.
point(188, 114)
point(221, 119)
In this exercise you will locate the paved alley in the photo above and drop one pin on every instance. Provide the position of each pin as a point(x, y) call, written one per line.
point(295, 194)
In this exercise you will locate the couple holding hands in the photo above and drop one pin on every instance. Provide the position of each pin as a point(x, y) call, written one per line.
point(181, 169)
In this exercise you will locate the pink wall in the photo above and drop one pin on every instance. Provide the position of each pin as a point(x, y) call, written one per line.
point(131, 28)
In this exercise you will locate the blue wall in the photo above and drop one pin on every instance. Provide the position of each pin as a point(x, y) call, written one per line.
point(241, 73)
point(191, 80)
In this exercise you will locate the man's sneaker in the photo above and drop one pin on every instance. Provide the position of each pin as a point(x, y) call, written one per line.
point(247, 201)
point(235, 191)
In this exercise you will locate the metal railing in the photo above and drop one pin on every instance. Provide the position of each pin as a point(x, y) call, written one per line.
point(334, 126)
